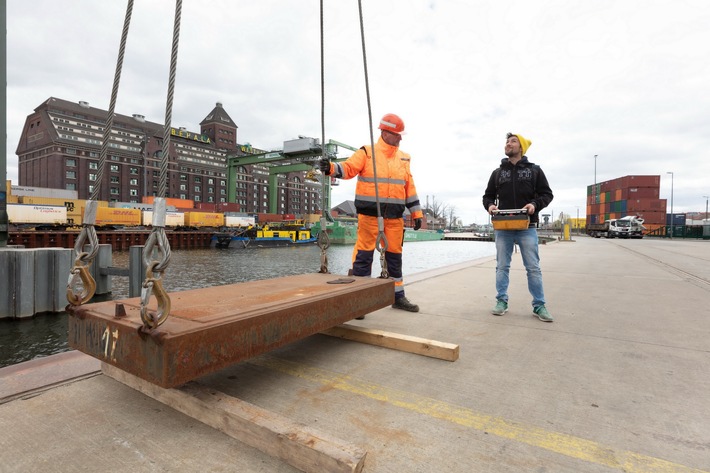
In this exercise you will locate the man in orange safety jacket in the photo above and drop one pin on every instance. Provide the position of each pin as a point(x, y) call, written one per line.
point(395, 192)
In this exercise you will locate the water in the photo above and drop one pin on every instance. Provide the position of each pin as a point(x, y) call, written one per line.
point(46, 334)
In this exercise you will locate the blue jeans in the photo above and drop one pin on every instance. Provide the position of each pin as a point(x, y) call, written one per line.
point(527, 241)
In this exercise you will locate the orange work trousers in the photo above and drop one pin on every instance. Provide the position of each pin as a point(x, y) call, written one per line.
point(365, 246)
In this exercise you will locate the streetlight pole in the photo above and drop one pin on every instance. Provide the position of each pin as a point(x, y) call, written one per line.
point(706, 206)
point(595, 172)
point(669, 172)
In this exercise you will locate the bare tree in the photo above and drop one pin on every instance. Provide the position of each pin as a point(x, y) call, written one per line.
point(451, 212)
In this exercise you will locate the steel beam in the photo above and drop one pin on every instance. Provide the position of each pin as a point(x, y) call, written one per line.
point(212, 328)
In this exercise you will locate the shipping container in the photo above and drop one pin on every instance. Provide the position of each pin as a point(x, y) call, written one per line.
point(225, 207)
point(136, 205)
point(204, 219)
point(177, 203)
point(107, 216)
point(640, 205)
point(641, 193)
point(23, 191)
point(206, 206)
point(24, 214)
point(678, 218)
point(239, 221)
point(172, 219)
point(262, 218)
point(658, 218)
point(640, 181)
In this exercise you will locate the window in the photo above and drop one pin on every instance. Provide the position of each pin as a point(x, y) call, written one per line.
point(71, 186)
point(182, 177)
point(114, 179)
point(210, 190)
point(114, 191)
point(71, 174)
point(93, 165)
point(133, 170)
point(92, 177)
point(133, 192)
point(114, 168)
point(210, 181)
point(197, 188)
point(91, 189)
point(198, 179)
point(71, 163)
point(183, 187)
point(134, 182)
point(197, 198)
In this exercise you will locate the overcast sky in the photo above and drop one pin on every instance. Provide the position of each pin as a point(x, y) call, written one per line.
point(625, 80)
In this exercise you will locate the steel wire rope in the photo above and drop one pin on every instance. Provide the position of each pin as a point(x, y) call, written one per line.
point(80, 271)
point(323, 238)
point(381, 242)
point(157, 240)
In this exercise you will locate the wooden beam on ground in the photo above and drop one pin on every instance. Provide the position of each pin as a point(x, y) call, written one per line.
point(396, 341)
point(296, 444)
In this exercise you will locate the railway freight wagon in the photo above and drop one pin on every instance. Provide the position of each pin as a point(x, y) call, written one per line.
point(172, 219)
point(239, 220)
point(37, 216)
point(204, 219)
point(111, 217)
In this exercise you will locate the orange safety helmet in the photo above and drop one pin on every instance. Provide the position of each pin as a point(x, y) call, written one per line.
point(392, 123)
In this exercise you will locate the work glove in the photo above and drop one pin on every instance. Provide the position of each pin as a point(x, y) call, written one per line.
point(324, 165)
point(417, 223)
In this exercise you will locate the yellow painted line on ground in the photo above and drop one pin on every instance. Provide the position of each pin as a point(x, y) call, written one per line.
point(568, 445)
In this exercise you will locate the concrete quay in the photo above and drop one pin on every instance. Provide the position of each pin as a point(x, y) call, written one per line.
point(619, 382)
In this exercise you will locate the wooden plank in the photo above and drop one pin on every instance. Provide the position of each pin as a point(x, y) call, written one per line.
point(396, 341)
point(296, 444)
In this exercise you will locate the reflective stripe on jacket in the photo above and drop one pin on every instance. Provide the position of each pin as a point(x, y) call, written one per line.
point(395, 184)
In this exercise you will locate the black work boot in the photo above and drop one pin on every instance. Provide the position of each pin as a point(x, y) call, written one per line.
point(404, 304)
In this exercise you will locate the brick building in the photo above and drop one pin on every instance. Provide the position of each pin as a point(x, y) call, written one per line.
point(60, 148)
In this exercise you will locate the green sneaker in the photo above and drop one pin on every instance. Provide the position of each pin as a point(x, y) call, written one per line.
point(500, 308)
point(542, 313)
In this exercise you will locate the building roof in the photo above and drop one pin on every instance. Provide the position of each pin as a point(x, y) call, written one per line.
point(219, 115)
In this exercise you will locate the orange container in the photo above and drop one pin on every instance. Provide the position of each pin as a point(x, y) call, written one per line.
point(179, 203)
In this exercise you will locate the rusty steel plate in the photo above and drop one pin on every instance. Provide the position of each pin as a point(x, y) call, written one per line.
point(211, 328)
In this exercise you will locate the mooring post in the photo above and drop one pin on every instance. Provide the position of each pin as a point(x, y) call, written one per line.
point(136, 270)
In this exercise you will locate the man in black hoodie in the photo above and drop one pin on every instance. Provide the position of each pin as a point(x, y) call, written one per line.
point(518, 184)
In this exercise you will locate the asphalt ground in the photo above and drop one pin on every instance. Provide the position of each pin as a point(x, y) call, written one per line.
point(619, 382)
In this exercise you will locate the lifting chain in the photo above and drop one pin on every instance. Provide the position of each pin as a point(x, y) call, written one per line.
point(381, 245)
point(153, 279)
point(323, 244)
point(81, 286)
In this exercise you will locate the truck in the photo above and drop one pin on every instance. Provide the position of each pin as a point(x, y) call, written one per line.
point(626, 227)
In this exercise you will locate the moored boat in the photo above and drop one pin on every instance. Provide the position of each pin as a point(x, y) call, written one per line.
point(287, 233)
point(344, 232)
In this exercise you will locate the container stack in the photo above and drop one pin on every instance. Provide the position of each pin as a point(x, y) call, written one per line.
point(628, 195)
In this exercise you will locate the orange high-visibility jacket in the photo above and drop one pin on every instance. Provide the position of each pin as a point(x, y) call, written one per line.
point(395, 183)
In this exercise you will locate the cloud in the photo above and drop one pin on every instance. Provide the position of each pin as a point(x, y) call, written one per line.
point(580, 79)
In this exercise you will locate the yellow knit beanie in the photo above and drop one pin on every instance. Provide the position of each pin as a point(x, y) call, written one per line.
point(524, 143)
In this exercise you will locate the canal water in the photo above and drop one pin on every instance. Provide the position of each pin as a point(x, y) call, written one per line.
point(46, 334)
